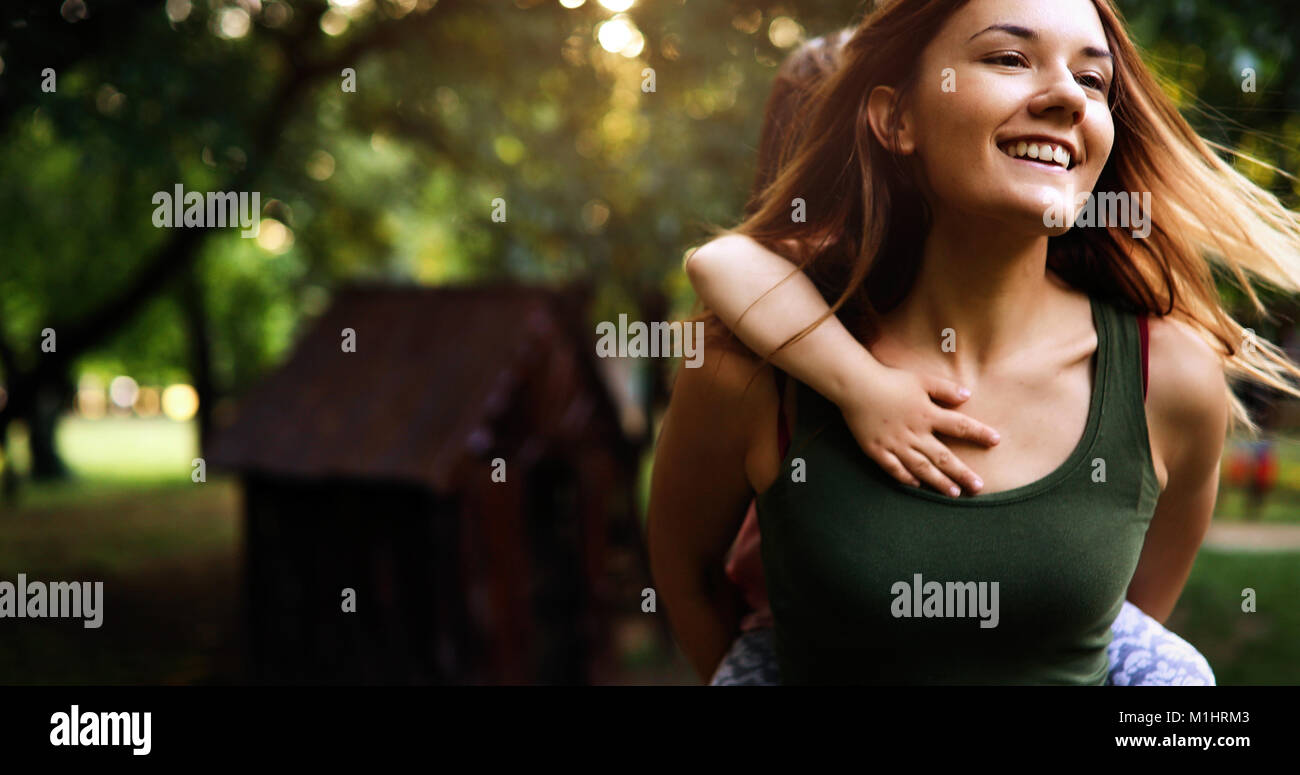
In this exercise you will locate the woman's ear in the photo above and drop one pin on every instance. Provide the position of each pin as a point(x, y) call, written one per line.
point(890, 121)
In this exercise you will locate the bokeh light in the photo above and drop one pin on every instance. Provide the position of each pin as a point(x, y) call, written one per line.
point(180, 402)
point(785, 32)
point(148, 403)
point(274, 237)
point(232, 23)
point(178, 10)
point(320, 166)
point(619, 35)
point(91, 402)
point(122, 391)
point(333, 23)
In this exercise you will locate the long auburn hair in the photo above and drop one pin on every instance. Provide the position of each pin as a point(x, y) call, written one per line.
point(866, 219)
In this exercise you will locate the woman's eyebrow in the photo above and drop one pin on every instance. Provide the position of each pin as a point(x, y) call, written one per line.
point(1032, 35)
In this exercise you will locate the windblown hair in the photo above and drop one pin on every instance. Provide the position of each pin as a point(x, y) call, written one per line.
point(866, 218)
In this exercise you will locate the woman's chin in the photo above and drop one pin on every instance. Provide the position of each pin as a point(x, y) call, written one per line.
point(1036, 211)
point(1055, 229)
point(1031, 223)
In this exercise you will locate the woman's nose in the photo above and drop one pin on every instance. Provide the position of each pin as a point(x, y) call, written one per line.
point(1061, 93)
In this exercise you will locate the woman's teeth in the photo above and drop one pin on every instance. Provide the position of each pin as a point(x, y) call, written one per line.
point(1044, 152)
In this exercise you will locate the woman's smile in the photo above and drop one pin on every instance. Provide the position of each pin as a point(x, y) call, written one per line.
point(1054, 156)
point(1028, 164)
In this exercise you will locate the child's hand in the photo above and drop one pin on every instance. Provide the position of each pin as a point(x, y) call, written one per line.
point(896, 422)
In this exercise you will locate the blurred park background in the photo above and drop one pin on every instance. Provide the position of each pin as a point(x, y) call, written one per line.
point(540, 103)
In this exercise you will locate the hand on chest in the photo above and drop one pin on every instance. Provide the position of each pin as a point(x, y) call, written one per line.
point(1041, 419)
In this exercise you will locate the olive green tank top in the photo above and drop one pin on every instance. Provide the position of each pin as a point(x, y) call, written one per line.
point(874, 581)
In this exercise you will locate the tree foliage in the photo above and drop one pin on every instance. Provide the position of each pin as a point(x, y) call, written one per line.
point(457, 103)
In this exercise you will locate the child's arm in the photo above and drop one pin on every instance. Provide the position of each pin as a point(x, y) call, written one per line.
point(889, 411)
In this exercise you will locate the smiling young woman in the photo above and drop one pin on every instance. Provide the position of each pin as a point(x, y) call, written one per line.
point(926, 232)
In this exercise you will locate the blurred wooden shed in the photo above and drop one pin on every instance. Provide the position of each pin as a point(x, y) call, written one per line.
point(372, 470)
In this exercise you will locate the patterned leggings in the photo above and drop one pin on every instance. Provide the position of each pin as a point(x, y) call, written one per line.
point(1141, 653)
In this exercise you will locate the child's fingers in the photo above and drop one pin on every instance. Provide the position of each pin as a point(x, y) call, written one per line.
point(953, 423)
point(944, 459)
point(895, 468)
point(920, 465)
point(945, 390)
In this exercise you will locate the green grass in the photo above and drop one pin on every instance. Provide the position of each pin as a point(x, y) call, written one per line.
point(113, 453)
point(126, 448)
point(166, 549)
point(1280, 508)
point(110, 457)
point(1244, 648)
point(169, 561)
point(119, 529)
point(129, 503)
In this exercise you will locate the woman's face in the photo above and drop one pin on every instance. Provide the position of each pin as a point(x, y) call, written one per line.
point(1025, 75)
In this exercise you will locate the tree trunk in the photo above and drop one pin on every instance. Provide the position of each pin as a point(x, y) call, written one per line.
point(42, 419)
point(9, 486)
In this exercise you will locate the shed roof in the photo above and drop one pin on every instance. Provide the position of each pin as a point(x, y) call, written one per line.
point(432, 370)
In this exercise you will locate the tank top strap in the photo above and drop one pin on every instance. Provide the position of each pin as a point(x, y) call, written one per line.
point(1127, 344)
point(1124, 436)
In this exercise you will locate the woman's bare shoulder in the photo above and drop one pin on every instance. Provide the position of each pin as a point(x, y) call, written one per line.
point(731, 394)
point(731, 377)
point(1187, 394)
point(1186, 375)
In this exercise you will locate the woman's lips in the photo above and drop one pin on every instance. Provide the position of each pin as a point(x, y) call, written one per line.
point(1054, 169)
point(1044, 152)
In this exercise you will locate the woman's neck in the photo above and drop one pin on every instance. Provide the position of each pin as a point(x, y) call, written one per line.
point(990, 286)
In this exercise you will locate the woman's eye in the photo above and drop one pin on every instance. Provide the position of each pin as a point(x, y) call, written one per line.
point(1092, 81)
point(1012, 60)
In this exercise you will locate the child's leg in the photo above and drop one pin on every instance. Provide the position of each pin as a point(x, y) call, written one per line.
point(751, 661)
point(1143, 653)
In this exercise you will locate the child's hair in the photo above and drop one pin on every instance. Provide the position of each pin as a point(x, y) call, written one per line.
point(866, 219)
point(796, 80)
